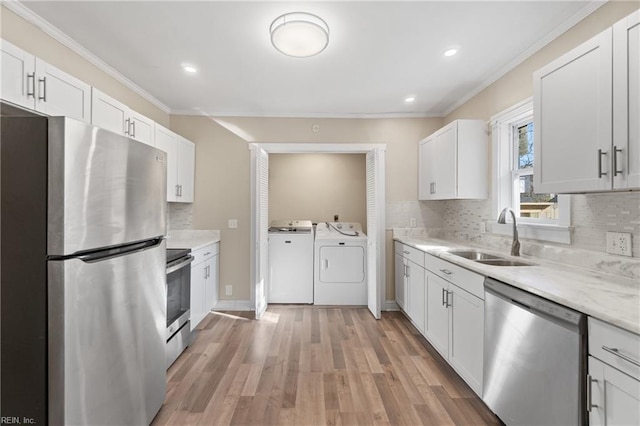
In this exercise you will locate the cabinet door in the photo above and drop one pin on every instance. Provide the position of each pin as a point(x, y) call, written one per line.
point(466, 338)
point(400, 281)
point(108, 113)
point(626, 102)
point(167, 141)
point(572, 114)
point(437, 314)
point(186, 169)
point(446, 163)
point(426, 169)
point(198, 295)
point(211, 287)
point(209, 294)
point(415, 299)
point(141, 128)
point(18, 76)
point(615, 397)
point(58, 93)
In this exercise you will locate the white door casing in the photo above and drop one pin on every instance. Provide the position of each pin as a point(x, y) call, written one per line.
point(375, 215)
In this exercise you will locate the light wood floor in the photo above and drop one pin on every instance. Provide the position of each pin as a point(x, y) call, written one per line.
point(305, 365)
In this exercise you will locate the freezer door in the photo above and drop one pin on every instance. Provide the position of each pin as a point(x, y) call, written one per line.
point(107, 325)
point(104, 189)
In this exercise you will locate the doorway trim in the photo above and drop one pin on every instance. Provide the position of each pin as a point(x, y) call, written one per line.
point(374, 209)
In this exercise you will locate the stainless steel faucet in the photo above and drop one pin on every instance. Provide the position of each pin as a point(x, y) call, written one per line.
point(515, 246)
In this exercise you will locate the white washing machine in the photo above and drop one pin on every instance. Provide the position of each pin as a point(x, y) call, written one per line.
point(340, 271)
point(290, 262)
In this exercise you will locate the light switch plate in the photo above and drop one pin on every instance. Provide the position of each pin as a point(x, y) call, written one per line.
point(619, 243)
point(233, 223)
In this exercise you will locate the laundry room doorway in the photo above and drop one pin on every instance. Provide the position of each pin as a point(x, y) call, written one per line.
point(375, 197)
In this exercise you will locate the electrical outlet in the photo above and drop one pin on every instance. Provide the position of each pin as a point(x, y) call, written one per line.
point(412, 222)
point(619, 243)
point(228, 290)
point(232, 224)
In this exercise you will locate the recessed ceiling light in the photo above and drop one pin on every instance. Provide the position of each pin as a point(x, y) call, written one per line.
point(410, 99)
point(189, 68)
point(450, 52)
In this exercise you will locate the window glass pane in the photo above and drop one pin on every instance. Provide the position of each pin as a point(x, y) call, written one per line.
point(525, 146)
point(540, 206)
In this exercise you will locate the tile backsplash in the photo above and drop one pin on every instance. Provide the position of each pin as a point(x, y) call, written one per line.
point(592, 215)
point(179, 216)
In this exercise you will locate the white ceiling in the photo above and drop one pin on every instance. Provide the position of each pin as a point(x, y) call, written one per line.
point(378, 53)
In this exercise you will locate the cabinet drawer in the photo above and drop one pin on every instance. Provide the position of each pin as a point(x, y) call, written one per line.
point(413, 254)
point(463, 278)
point(205, 253)
point(612, 345)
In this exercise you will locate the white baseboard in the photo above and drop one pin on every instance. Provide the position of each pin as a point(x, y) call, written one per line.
point(233, 305)
point(390, 305)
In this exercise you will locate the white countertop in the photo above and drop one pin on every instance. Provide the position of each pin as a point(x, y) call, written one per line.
point(192, 239)
point(610, 298)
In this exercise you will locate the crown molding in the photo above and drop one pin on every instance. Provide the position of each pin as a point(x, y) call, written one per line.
point(591, 7)
point(248, 114)
point(27, 14)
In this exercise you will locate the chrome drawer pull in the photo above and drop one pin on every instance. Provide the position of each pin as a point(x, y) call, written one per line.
point(405, 252)
point(446, 271)
point(617, 352)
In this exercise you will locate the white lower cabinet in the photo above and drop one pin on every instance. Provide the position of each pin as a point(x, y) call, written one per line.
point(204, 282)
point(613, 382)
point(446, 303)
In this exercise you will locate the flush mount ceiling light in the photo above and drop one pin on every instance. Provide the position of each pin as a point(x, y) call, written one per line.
point(189, 68)
point(410, 99)
point(299, 34)
point(450, 52)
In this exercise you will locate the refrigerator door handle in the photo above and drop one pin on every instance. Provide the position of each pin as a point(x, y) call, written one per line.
point(106, 254)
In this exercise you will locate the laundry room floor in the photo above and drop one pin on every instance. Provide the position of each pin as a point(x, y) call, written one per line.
point(307, 365)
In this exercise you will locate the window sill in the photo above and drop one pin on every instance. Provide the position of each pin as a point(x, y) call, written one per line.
point(550, 233)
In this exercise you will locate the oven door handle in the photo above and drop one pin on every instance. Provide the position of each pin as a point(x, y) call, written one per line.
point(181, 264)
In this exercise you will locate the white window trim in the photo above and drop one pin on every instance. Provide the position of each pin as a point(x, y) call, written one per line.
point(502, 125)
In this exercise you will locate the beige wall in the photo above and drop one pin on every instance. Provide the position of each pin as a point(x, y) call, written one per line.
point(517, 84)
point(222, 171)
point(32, 39)
point(318, 186)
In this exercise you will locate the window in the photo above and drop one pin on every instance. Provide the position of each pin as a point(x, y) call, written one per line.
point(527, 203)
point(541, 216)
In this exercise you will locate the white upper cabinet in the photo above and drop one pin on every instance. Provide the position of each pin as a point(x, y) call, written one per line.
point(180, 164)
point(626, 102)
point(115, 116)
point(586, 115)
point(32, 83)
point(453, 162)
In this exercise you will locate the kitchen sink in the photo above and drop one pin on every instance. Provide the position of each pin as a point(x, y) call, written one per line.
point(474, 255)
point(504, 262)
point(488, 259)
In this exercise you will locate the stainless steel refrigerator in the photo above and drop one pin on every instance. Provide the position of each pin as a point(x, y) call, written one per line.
point(83, 274)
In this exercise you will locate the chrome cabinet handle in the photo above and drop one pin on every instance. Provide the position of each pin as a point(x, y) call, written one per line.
point(617, 353)
point(32, 77)
point(133, 125)
point(616, 172)
point(590, 404)
point(600, 172)
point(446, 271)
point(127, 126)
point(448, 303)
point(405, 252)
point(43, 80)
point(180, 190)
point(444, 303)
point(207, 253)
point(177, 192)
point(408, 271)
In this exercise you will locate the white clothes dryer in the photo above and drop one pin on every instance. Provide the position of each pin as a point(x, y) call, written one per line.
point(290, 262)
point(340, 264)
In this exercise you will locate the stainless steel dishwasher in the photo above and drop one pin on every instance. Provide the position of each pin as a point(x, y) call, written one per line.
point(534, 358)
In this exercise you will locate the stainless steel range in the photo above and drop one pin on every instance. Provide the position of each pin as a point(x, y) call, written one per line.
point(178, 302)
